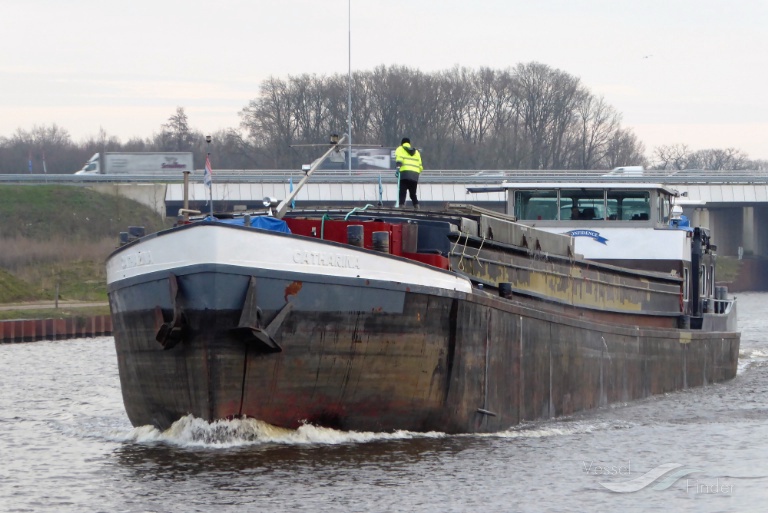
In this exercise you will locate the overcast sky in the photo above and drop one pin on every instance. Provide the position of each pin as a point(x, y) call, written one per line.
point(689, 72)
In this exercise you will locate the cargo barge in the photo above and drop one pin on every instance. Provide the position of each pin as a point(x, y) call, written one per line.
point(459, 320)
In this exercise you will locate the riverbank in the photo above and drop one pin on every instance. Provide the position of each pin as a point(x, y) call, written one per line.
point(751, 275)
point(30, 330)
point(28, 322)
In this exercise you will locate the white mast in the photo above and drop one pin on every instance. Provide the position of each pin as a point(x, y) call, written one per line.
point(349, 85)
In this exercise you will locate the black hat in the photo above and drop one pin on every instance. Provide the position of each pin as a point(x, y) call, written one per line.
point(405, 140)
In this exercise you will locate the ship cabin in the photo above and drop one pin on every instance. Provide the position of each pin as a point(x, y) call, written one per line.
point(633, 225)
point(597, 204)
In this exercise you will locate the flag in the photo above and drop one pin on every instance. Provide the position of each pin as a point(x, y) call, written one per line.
point(207, 175)
point(290, 189)
point(381, 192)
point(30, 161)
point(45, 171)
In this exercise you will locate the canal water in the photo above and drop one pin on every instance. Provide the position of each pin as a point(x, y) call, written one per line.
point(66, 445)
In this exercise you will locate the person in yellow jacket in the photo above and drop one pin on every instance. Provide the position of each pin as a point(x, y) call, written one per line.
point(409, 168)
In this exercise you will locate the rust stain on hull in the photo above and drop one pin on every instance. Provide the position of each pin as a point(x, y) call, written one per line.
point(292, 289)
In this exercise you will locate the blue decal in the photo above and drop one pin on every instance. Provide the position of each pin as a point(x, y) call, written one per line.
point(588, 233)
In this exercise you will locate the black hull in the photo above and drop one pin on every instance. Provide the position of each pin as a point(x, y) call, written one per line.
point(378, 356)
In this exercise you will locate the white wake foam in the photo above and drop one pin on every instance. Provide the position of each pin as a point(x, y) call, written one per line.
point(190, 431)
point(749, 357)
point(560, 427)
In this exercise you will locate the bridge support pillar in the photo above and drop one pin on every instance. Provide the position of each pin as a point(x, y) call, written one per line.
point(758, 233)
point(700, 217)
point(749, 236)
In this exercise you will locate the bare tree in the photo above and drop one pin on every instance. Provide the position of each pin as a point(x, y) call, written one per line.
point(674, 157)
point(176, 134)
point(547, 99)
point(596, 124)
point(310, 100)
point(506, 147)
point(390, 116)
point(719, 159)
point(624, 149)
point(470, 108)
point(43, 149)
point(432, 128)
point(270, 123)
point(566, 91)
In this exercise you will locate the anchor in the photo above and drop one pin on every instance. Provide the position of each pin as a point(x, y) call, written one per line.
point(251, 328)
point(170, 332)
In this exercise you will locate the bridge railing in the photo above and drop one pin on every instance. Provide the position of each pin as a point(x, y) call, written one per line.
point(688, 176)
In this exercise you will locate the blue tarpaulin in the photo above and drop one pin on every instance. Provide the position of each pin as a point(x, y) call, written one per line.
point(683, 223)
point(262, 222)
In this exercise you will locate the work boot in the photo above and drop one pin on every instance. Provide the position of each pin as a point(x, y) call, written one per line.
point(416, 206)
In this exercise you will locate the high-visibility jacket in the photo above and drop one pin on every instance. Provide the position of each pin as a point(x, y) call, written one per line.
point(408, 161)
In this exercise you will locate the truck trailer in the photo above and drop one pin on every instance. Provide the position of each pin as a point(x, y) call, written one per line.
point(139, 163)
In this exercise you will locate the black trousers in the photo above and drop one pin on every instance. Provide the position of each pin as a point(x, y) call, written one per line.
point(408, 186)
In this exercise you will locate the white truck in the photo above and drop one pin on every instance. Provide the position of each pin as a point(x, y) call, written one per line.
point(139, 163)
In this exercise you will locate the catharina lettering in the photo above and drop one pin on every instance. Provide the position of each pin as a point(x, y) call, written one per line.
point(326, 259)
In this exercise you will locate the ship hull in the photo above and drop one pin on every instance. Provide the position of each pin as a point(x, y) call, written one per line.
point(344, 349)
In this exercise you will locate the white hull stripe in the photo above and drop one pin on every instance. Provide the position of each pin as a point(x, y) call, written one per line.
point(259, 249)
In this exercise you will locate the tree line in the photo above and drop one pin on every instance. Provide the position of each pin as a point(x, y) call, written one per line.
point(530, 116)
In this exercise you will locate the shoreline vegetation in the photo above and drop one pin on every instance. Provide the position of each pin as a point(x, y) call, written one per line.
point(66, 311)
point(55, 239)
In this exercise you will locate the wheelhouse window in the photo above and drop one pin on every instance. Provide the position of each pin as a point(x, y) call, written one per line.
point(536, 205)
point(585, 204)
point(628, 205)
point(664, 208)
point(582, 204)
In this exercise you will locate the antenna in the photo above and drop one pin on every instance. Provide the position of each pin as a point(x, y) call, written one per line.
point(349, 84)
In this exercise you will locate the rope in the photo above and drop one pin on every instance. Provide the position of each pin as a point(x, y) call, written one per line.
point(322, 225)
point(356, 209)
point(461, 260)
point(478, 250)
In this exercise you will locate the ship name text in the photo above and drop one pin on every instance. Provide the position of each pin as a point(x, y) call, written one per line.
point(326, 259)
point(135, 259)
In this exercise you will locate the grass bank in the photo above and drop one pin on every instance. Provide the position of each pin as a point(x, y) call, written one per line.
point(53, 313)
point(57, 238)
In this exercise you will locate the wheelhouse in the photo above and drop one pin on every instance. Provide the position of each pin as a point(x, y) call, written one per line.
point(556, 203)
